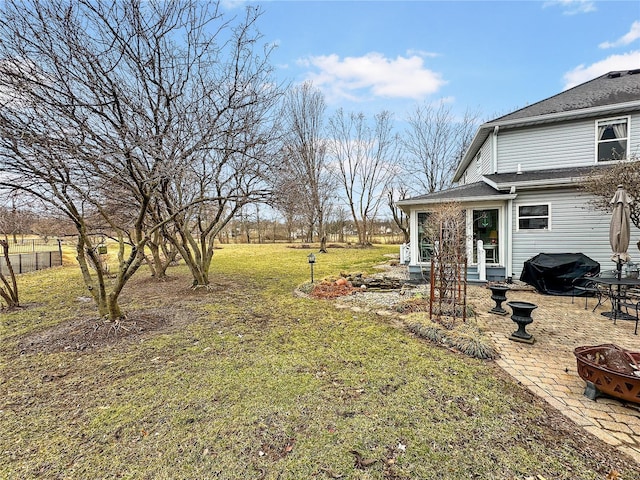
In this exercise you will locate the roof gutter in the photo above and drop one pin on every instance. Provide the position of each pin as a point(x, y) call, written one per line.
point(560, 182)
point(435, 201)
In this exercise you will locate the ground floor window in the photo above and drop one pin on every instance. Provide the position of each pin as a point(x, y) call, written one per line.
point(533, 217)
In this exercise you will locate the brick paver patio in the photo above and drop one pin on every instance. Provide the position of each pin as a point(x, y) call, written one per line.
point(548, 367)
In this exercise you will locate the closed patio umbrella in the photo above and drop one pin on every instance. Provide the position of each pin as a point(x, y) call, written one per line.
point(619, 234)
point(620, 228)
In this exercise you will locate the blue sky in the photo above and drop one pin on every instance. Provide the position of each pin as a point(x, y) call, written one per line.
point(490, 56)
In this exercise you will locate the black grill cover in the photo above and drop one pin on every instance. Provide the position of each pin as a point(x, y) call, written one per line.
point(554, 273)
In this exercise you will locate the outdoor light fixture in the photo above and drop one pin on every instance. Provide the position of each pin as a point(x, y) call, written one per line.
point(312, 259)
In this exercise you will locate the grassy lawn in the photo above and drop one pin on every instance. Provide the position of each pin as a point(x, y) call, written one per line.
point(248, 381)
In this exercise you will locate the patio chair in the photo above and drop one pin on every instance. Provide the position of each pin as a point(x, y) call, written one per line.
point(584, 286)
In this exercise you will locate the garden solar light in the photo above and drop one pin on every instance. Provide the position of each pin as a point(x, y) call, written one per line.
point(312, 260)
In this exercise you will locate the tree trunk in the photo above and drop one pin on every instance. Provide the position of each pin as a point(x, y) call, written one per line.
point(361, 228)
point(107, 302)
point(96, 287)
point(162, 255)
point(323, 244)
point(10, 290)
point(114, 309)
point(198, 255)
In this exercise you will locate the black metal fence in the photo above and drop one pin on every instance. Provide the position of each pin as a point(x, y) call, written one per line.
point(31, 255)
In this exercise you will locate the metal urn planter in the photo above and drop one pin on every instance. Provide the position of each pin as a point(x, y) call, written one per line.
point(498, 295)
point(522, 316)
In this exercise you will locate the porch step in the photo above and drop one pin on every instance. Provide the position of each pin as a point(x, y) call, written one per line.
point(473, 277)
point(472, 273)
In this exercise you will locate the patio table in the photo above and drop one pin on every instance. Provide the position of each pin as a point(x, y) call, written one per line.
point(616, 295)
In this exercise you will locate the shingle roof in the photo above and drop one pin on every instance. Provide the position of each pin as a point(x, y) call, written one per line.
point(463, 192)
point(609, 89)
point(503, 182)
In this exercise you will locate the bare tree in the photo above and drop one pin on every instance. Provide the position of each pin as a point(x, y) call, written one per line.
point(288, 201)
point(603, 182)
point(435, 143)
point(304, 161)
point(366, 159)
point(232, 173)
point(162, 254)
point(51, 224)
point(15, 218)
point(104, 104)
point(340, 216)
point(400, 191)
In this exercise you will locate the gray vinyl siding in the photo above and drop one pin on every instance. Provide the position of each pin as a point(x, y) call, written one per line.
point(634, 135)
point(575, 228)
point(473, 174)
point(487, 158)
point(554, 146)
point(548, 146)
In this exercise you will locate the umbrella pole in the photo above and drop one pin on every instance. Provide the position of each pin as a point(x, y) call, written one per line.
point(619, 268)
point(618, 310)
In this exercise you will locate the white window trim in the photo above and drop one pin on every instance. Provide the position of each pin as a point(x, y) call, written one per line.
point(549, 223)
point(597, 141)
point(417, 227)
point(501, 231)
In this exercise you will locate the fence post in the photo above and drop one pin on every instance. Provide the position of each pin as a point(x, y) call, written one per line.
point(60, 250)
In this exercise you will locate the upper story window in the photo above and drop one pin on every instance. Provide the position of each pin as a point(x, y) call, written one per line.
point(479, 163)
point(534, 217)
point(612, 139)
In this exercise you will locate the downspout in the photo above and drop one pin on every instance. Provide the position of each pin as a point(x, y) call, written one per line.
point(494, 149)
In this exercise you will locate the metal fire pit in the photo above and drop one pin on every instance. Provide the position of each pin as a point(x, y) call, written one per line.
point(614, 378)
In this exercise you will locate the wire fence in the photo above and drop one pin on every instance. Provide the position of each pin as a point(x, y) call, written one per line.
point(31, 255)
point(33, 245)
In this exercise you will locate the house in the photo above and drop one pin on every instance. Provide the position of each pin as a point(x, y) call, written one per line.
point(518, 181)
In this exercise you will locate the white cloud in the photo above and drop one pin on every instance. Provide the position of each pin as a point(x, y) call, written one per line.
point(357, 78)
point(232, 4)
point(572, 7)
point(583, 73)
point(631, 36)
point(423, 53)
